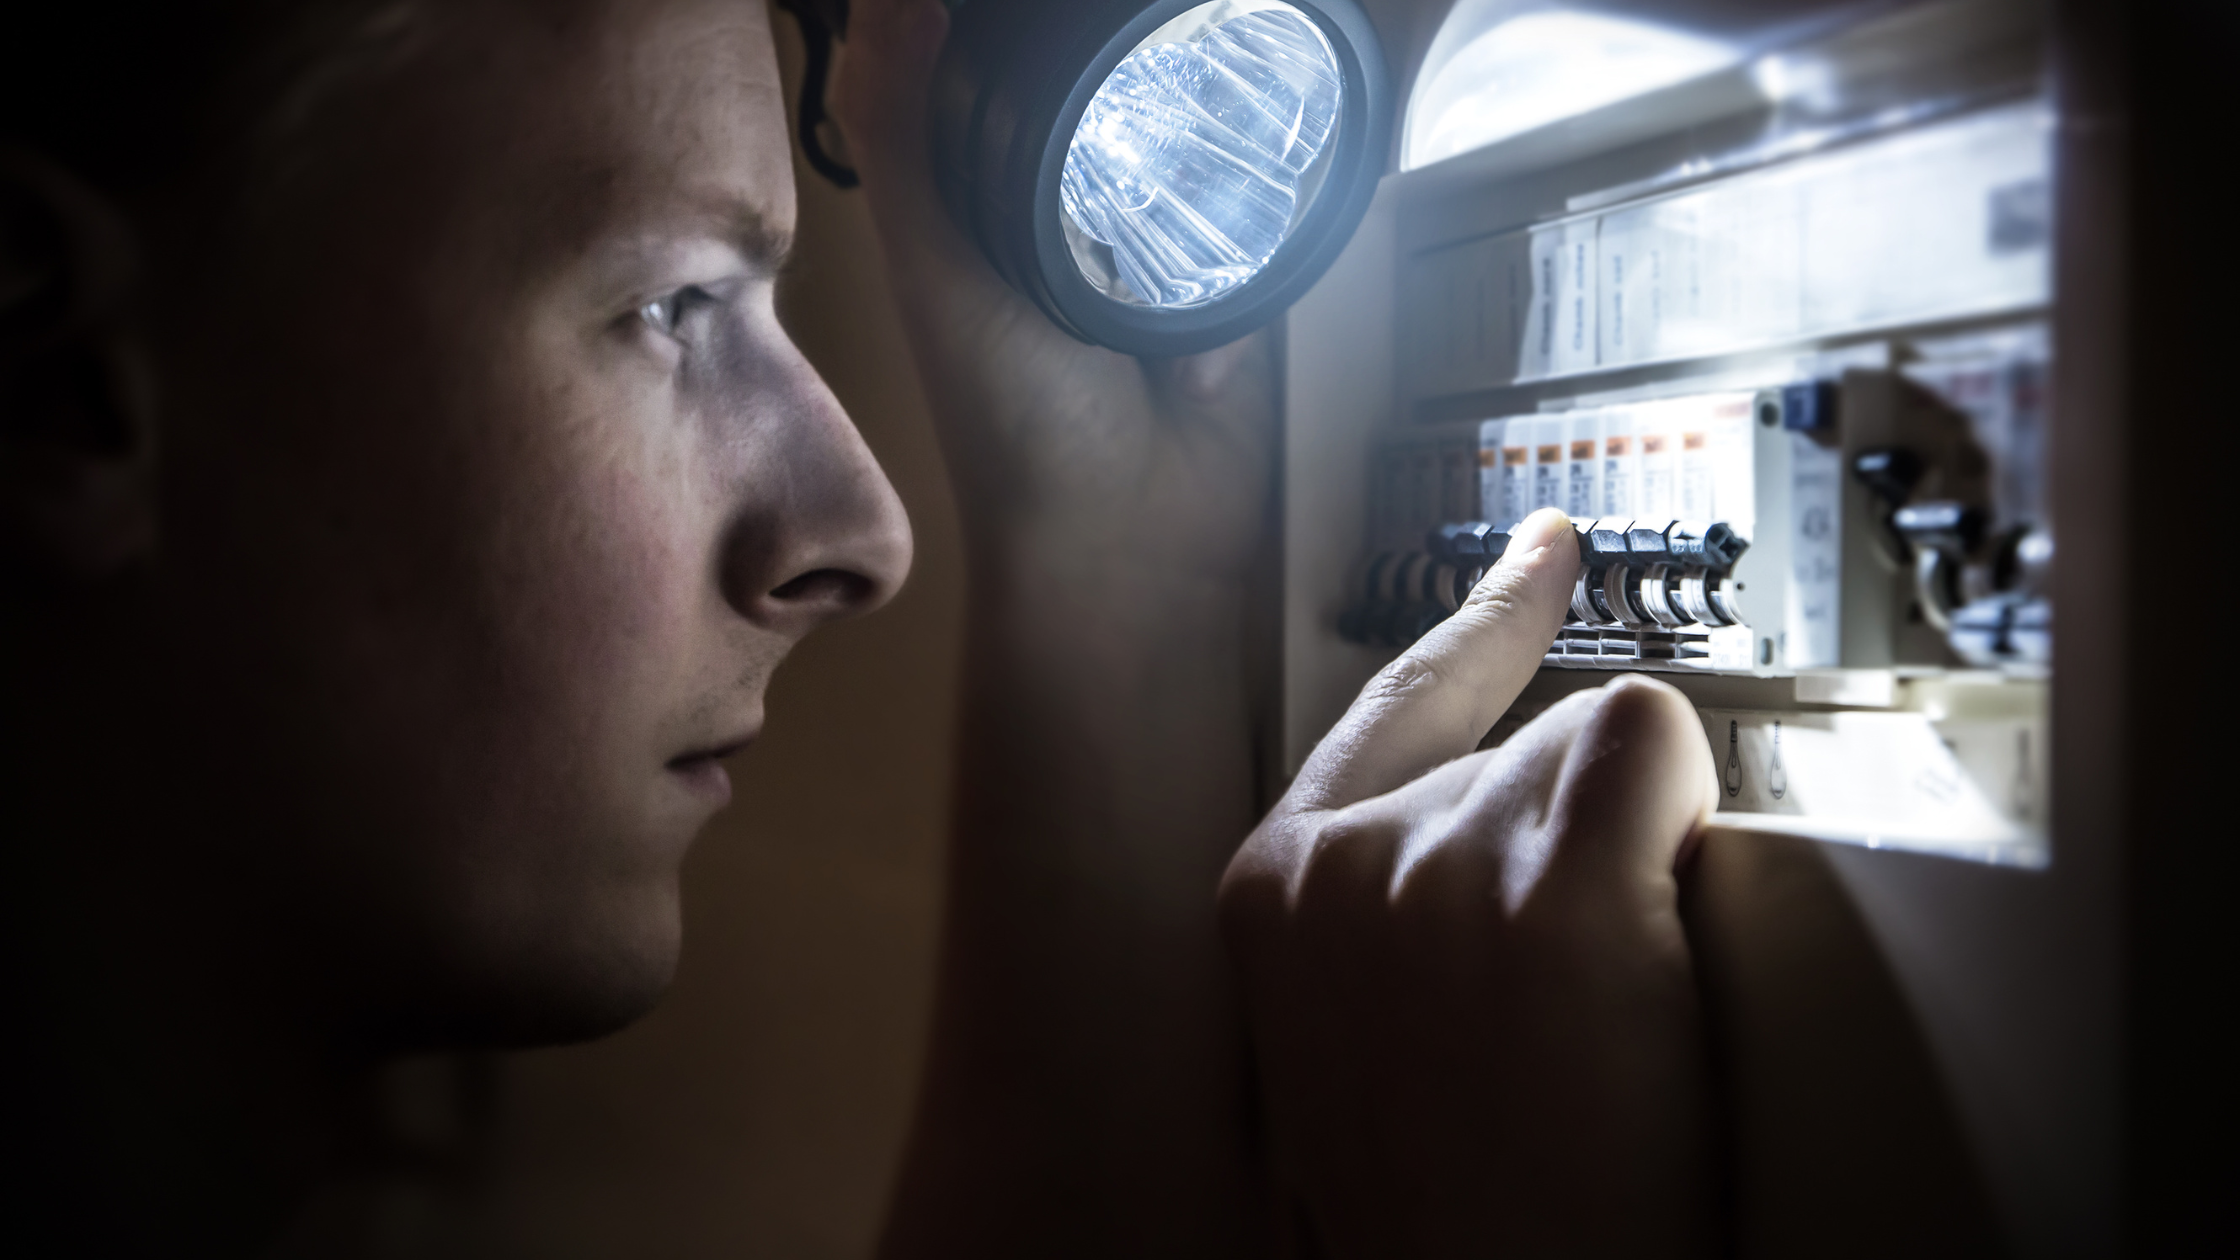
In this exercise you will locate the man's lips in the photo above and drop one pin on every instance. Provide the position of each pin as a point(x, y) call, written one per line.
point(714, 752)
point(702, 768)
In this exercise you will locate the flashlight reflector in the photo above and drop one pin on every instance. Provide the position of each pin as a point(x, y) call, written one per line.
point(1200, 153)
point(1160, 176)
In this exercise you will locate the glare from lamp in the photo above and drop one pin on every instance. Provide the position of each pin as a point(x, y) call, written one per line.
point(1199, 154)
point(1542, 67)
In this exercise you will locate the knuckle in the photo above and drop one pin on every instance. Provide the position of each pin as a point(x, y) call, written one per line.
point(1344, 859)
point(1250, 904)
point(1414, 672)
point(1255, 891)
point(1638, 712)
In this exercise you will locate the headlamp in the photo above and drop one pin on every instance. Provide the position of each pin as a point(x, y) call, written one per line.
point(1159, 176)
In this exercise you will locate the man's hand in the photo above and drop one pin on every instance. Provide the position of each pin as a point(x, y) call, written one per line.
point(1086, 1086)
point(1058, 447)
point(1470, 995)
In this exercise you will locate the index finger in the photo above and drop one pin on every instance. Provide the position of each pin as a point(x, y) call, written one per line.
point(1443, 694)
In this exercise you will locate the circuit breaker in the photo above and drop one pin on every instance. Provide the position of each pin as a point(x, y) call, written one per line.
point(1818, 524)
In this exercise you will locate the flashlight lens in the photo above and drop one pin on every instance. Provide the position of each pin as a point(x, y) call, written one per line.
point(1199, 154)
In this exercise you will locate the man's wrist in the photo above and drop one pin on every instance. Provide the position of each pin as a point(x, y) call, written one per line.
point(1106, 590)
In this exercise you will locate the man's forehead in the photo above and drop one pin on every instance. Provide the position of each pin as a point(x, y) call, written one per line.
point(665, 115)
point(689, 83)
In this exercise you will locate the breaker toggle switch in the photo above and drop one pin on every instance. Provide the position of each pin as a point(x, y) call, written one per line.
point(1470, 542)
point(1599, 597)
point(1651, 575)
point(1642, 579)
point(1713, 546)
point(1942, 535)
point(1648, 575)
point(1401, 595)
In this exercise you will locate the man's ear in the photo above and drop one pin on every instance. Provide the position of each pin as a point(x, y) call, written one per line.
point(77, 425)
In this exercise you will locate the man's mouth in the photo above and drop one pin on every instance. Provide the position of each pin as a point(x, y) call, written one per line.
point(702, 768)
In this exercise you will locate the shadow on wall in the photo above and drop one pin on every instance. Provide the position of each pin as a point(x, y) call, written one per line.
point(761, 1110)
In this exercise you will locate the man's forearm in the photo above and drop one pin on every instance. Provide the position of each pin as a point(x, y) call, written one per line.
point(1086, 1085)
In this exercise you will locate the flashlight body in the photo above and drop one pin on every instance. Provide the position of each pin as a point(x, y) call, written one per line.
point(1013, 82)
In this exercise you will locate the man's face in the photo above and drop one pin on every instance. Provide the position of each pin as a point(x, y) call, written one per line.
point(493, 494)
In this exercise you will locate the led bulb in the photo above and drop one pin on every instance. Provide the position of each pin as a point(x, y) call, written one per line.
point(1199, 154)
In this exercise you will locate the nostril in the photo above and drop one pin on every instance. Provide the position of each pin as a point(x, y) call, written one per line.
point(836, 588)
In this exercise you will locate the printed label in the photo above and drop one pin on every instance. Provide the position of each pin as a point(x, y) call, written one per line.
point(1580, 501)
point(1695, 477)
point(1657, 477)
point(1489, 470)
point(1815, 613)
point(1516, 484)
point(1547, 486)
point(1617, 476)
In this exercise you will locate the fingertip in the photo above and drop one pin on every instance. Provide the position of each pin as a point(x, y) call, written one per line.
point(1542, 557)
point(1649, 685)
point(1547, 528)
point(1642, 708)
point(1540, 563)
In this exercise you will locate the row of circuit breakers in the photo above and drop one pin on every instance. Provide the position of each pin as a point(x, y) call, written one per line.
point(1656, 588)
point(1858, 522)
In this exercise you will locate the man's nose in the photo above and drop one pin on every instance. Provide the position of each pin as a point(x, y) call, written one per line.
point(827, 536)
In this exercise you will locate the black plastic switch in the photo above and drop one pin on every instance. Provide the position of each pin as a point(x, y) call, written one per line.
point(1942, 526)
point(1646, 540)
point(1604, 541)
point(1809, 406)
point(1889, 473)
point(1468, 541)
point(1715, 545)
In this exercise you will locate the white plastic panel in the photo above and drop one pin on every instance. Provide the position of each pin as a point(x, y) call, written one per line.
point(1939, 224)
point(1501, 69)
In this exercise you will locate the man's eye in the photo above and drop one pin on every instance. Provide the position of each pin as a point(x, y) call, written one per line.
point(666, 314)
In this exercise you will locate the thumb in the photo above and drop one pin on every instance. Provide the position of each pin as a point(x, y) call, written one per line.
point(1442, 695)
point(1636, 785)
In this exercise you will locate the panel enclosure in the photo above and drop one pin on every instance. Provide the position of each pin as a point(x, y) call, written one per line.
point(1736, 317)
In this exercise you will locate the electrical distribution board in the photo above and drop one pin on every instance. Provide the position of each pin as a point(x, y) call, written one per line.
point(1779, 338)
point(1786, 375)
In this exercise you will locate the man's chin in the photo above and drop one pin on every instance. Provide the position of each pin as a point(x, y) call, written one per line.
point(583, 1012)
point(577, 987)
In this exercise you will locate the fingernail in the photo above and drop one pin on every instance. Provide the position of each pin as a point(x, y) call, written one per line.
point(1536, 531)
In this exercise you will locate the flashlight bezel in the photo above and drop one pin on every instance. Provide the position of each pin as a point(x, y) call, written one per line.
point(1013, 84)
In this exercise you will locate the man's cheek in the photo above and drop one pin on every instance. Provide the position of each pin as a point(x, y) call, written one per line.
point(623, 559)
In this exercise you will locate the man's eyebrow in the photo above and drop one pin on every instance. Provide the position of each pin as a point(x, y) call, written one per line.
point(764, 246)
